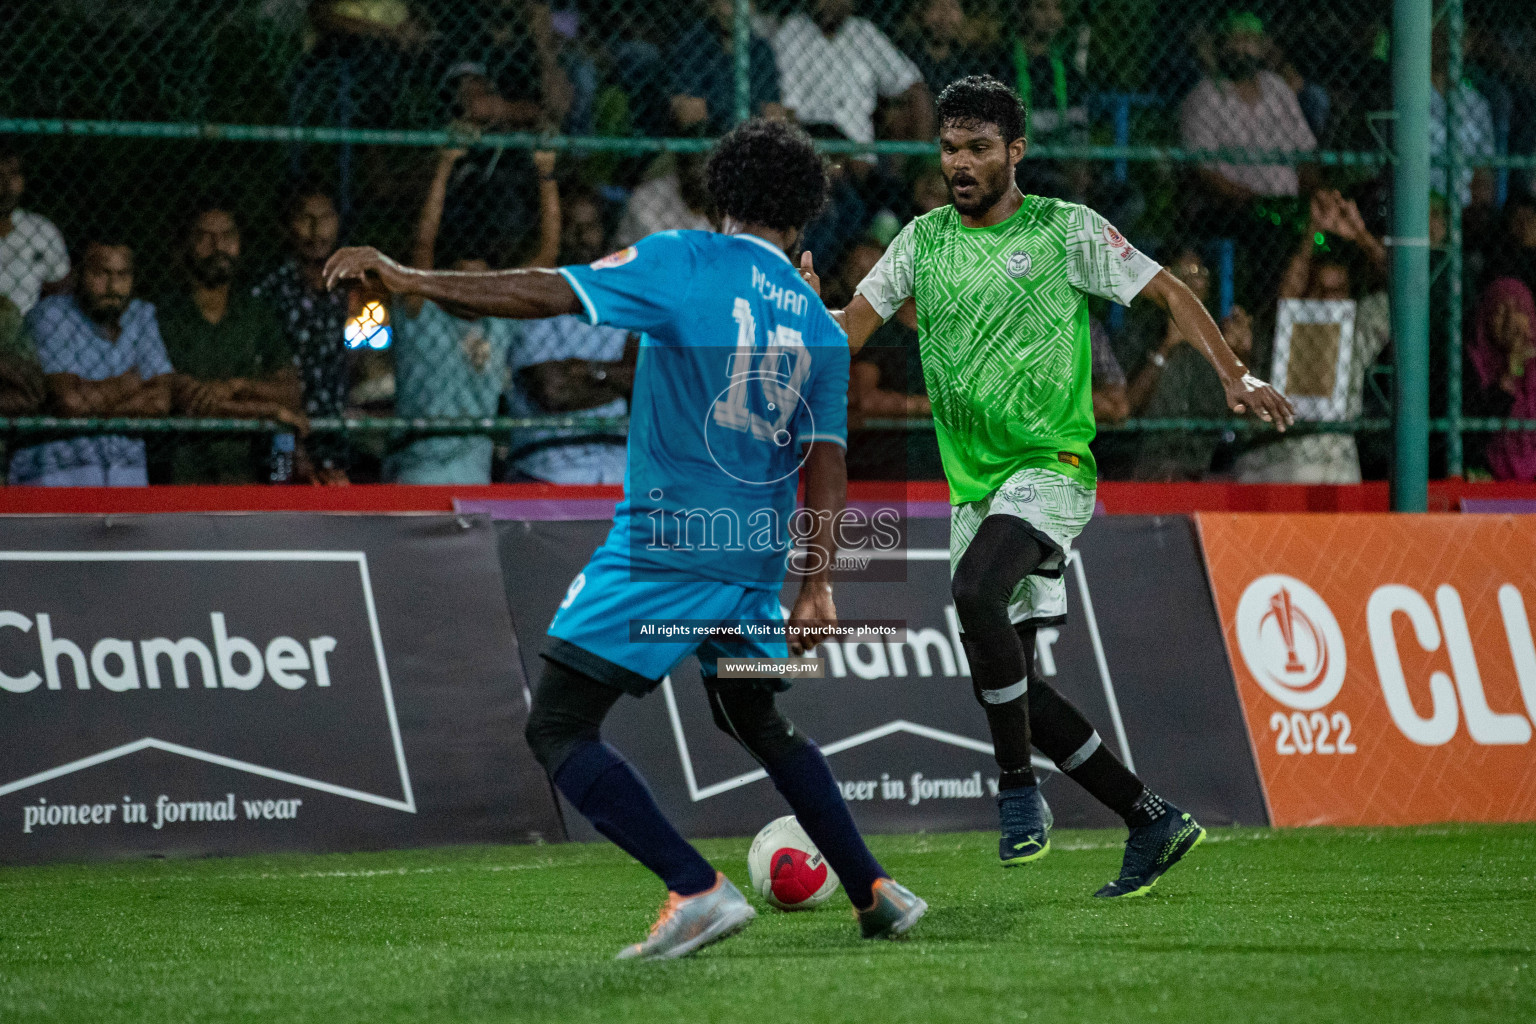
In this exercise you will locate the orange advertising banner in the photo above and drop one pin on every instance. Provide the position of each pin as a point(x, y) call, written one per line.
point(1385, 664)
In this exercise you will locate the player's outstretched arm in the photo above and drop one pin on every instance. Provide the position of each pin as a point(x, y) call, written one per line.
point(1245, 392)
point(826, 492)
point(859, 319)
point(518, 294)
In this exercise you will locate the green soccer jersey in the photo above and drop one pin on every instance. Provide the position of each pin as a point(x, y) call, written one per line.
point(1002, 315)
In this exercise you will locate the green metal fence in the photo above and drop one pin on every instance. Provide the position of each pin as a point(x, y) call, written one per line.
point(129, 117)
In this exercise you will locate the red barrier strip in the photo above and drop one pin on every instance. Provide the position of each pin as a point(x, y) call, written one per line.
point(1118, 497)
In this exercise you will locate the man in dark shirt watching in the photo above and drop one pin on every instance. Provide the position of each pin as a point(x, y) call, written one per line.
point(231, 354)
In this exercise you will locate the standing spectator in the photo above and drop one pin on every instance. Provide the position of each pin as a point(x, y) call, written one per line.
point(33, 258)
point(1329, 458)
point(494, 198)
point(1245, 107)
point(945, 44)
point(835, 68)
point(358, 55)
point(101, 353)
point(314, 320)
point(1503, 375)
point(1474, 133)
point(449, 362)
point(513, 44)
point(1046, 67)
point(703, 69)
point(22, 389)
point(1172, 380)
point(674, 201)
point(231, 355)
point(565, 365)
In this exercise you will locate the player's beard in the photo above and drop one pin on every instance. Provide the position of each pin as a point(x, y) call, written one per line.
point(985, 195)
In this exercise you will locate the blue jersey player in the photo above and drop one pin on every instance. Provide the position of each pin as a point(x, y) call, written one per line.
point(740, 392)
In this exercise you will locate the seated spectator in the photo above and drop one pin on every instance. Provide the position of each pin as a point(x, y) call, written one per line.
point(1502, 377)
point(1474, 134)
point(231, 355)
point(703, 73)
point(101, 354)
point(564, 365)
point(33, 258)
point(1244, 107)
point(450, 361)
point(674, 201)
point(835, 68)
point(945, 44)
point(1329, 458)
point(1172, 380)
point(314, 321)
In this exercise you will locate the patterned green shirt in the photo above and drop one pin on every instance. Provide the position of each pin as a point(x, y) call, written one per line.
point(1002, 315)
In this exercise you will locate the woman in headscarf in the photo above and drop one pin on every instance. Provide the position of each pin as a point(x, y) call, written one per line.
point(1503, 375)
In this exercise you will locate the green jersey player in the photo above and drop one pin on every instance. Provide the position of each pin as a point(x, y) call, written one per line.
point(1001, 282)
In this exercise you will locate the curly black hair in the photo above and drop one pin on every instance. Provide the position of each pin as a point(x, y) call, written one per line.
point(768, 173)
point(976, 100)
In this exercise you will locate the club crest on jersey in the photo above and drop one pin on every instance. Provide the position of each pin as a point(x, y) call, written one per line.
point(1117, 243)
point(616, 259)
point(1017, 264)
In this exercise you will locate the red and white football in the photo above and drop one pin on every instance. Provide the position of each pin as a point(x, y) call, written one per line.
point(786, 868)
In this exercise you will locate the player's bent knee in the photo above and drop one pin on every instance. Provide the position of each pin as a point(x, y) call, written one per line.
point(568, 710)
point(550, 736)
point(751, 717)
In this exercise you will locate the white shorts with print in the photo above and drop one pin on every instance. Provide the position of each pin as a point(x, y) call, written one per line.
point(1056, 508)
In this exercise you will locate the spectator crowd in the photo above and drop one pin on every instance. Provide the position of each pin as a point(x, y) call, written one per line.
point(1287, 252)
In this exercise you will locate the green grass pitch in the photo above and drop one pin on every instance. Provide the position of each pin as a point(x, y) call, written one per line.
point(1424, 924)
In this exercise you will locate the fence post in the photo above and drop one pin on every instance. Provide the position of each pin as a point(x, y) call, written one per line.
point(741, 36)
point(1455, 27)
point(1410, 254)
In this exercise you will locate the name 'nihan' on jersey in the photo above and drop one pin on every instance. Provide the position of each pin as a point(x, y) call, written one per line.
point(740, 367)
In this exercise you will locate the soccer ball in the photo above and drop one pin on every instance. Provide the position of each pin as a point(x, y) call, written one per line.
point(786, 868)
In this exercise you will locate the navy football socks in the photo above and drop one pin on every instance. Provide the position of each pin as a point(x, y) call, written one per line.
point(805, 781)
point(610, 794)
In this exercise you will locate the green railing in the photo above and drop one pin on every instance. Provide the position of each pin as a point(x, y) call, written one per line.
point(1453, 424)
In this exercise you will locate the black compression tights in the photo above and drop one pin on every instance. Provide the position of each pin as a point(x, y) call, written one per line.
point(1002, 553)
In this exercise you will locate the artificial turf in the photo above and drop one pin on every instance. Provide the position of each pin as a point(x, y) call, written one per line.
point(1422, 924)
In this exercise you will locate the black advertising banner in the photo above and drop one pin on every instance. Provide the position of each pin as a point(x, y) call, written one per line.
point(1141, 655)
point(193, 684)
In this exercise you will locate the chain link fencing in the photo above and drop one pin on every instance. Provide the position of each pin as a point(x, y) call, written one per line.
point(203, 158)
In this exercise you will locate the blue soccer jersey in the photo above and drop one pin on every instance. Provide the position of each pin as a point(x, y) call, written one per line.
point(740, 367)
